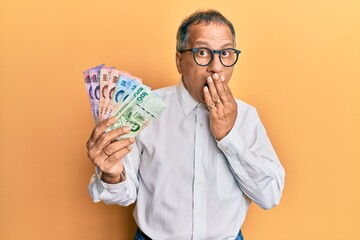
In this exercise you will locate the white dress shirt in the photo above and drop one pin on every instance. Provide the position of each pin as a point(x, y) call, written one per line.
point(186, 184)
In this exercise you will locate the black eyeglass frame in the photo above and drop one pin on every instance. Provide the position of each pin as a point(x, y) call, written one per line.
point(194, 50)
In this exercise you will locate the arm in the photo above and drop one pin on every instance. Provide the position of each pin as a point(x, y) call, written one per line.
point(253, 162)
point(243, 139)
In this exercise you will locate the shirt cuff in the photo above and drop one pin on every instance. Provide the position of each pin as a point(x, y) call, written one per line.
point(104, 188)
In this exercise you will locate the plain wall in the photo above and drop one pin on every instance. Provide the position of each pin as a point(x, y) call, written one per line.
point(299, 67)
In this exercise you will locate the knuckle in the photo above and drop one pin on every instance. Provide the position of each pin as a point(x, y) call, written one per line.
point(110, 158)
point(110, 148)
point(88, 144)
point(104, 138)
point(117, 155)
point(122, 130)
point(97, 132)
point(91, 154)
point(122, 153)
point(221, 117)
point(109, 121)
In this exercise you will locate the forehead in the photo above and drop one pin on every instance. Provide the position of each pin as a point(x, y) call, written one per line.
point(212, 34)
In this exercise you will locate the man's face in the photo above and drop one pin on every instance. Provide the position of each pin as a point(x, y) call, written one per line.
point(215, 36)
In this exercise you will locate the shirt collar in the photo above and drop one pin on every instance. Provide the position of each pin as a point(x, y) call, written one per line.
point(187, 102)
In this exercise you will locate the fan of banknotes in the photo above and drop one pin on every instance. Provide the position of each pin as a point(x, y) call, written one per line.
point(117, 93)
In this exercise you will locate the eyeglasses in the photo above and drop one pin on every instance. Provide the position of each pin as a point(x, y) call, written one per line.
point(204, 56)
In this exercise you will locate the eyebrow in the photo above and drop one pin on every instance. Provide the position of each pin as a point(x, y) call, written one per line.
point(205, 44)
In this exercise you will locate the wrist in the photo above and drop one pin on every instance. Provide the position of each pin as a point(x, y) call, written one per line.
point(113, 179)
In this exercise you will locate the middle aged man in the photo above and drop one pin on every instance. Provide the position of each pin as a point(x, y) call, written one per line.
point(194, 172)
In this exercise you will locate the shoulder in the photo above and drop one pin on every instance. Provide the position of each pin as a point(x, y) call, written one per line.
point(243, 106)
point(246, 111)
point(165, 90)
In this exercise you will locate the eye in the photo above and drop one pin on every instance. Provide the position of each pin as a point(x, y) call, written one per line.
point(225, 53)
point(202, 52)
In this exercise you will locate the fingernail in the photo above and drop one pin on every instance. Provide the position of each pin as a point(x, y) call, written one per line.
point(127, 129)
point(216, 76)
point(210, 79)
point(206, 89)
point(222, 78)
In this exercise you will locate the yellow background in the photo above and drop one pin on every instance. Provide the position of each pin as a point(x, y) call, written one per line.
point(299, 67)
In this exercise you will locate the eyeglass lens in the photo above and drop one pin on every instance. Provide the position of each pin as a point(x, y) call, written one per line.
point(204, 56)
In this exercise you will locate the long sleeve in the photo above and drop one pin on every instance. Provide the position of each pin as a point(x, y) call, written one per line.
point(253, 161)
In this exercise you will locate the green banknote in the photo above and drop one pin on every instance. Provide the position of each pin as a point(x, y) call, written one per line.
point(140, 108)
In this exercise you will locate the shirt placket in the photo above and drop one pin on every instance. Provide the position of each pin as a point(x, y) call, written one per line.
point(199, 183)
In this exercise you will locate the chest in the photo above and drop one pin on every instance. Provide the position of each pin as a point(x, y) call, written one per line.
point(180, 144)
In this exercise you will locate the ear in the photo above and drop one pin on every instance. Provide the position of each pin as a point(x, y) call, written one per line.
point(179, 62)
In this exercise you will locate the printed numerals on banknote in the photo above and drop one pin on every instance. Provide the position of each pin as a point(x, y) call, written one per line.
point(117, 93)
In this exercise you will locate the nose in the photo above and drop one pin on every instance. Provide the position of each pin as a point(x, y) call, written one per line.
point(215, 66)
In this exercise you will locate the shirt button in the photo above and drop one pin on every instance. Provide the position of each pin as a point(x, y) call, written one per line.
point(201, 124)
point(200, 214)
point(200, 153)
point(199, 182)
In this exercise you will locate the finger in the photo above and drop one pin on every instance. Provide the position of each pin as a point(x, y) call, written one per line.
point(96, 153)
point(219, 89)
point(212, 89)
point(98, 131)
point(228, 93)
point(106, 138)
point(103, 158)
point(117, 156)
point(112, 164)
point(118, 145)
point(219, 84)
point(208, 100)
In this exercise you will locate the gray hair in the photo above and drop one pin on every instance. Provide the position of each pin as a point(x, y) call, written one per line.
point(207, 16)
